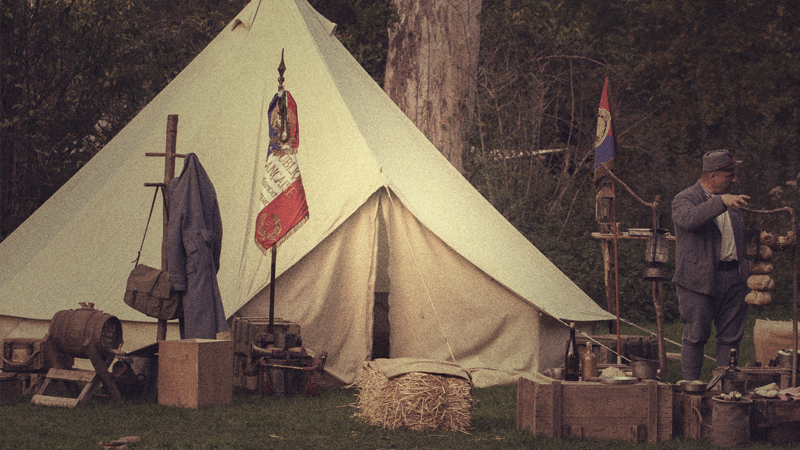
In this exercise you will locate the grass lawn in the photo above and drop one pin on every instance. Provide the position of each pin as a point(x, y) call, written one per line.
point(324, 422)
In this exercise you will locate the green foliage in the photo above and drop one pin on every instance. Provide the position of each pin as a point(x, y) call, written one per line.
point(75, 72)
point(362, 26)
point(685, 77)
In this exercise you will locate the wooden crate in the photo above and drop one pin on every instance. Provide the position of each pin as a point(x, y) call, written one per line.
point(24, 355)
point(193, 373)
point(761, 376)
point(776, 420)
point(636, 413)
point(246, 332)
point(11, 388)
point(691, 414)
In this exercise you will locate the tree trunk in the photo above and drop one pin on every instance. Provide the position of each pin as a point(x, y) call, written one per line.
point(431, 69)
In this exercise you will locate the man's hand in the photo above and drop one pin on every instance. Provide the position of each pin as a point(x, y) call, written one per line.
point(735, 201)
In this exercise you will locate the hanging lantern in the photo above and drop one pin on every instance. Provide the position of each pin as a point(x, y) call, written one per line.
point(604, 209)
point(656, 256)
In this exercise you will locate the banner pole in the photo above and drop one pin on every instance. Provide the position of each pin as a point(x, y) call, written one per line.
point(616, 271)
point(272, 289)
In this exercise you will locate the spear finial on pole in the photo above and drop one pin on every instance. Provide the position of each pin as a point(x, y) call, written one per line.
point(281, 69)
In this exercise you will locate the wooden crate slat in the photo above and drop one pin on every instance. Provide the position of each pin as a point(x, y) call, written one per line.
point(81, 375)
point(46, 400)
point(636, 413)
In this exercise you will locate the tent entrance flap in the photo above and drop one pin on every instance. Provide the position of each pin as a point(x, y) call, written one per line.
point(381, 327)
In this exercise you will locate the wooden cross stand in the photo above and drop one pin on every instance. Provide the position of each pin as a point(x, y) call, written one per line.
point(100, 377)
point(169, 156)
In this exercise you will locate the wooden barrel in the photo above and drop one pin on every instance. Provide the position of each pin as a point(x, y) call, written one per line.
point(72, 329)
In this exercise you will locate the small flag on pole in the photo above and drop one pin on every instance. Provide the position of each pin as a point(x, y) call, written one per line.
point(604, 146)
point(283, 198)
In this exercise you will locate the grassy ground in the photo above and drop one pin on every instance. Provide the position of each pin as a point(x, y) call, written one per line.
point(254, 422)
point(324, 422)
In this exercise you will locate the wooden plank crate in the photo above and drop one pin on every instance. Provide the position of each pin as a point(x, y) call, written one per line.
point(636, 413)
point(761, 376)
point(245, 331)
point(777, 421)
point(691, 414)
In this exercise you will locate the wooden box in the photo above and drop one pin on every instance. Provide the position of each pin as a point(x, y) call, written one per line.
point(761, 376)
point(636, 413)
point(247, 331)
point(776, 420)
point(24, 355)
point(691, 414)
point(11, 388)
point(193, 373)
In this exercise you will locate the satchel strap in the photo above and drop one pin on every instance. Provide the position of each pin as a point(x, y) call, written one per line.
point(152, 206)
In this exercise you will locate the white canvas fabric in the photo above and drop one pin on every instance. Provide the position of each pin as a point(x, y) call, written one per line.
point(387, 213)
point(397, 367)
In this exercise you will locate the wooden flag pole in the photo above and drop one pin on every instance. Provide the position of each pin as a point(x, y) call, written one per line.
point(282, 132)
point(616, 270)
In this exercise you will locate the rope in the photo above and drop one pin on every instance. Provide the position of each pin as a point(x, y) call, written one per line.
point(422, 278)
point(656, 335)
point(589, 337)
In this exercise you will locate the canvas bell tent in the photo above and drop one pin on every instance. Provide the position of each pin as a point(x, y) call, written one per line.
point(390, 219)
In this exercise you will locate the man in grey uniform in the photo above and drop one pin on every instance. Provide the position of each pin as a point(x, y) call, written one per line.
point(710, 267)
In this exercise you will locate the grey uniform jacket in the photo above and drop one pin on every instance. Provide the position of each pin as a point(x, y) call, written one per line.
point(699, 239)
point(194, 245)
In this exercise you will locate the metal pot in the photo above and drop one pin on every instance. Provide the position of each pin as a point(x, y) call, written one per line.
point(644, 368)
point(785, 359)
point(734, 382)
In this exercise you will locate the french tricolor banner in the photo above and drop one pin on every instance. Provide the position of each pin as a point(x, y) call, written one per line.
point(604, 145)
point(283, 200)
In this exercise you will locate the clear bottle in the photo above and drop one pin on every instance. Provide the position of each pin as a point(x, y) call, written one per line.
point(589, 366)
point(571, 361)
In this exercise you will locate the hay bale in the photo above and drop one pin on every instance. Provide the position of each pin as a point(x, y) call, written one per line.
point(415, 401)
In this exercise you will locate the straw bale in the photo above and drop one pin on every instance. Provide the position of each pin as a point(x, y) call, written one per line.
point(415, 401)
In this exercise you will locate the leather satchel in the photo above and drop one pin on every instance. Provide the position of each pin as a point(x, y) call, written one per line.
point(150, 292)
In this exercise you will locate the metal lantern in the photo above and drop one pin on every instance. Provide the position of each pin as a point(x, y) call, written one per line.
point(656, 256)
point(604, 209)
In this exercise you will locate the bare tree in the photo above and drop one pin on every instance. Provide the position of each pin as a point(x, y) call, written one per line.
point(431, 69)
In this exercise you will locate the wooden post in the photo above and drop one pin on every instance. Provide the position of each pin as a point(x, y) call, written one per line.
point(611, 305)
point(272, 290)
point(169, 156)
point(658, 300)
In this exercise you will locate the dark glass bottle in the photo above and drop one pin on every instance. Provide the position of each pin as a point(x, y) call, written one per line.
point(572, 364)
point(734, 364)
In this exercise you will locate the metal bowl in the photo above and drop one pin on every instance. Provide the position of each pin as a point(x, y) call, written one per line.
point(694, 388)
point(618, 380)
